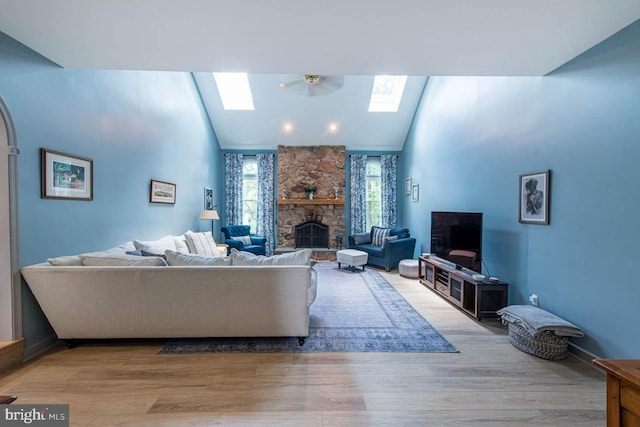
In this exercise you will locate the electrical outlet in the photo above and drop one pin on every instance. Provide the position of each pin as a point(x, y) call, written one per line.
point(534, 299)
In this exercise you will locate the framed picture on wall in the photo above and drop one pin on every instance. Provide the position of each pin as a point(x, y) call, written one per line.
point(162, 192)
point(64, 176)
point(415, 192)
point(534, 197)
point(208, 199)
point(407, 186)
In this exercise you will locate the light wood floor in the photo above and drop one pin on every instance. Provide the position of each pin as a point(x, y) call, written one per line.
point(489, 383)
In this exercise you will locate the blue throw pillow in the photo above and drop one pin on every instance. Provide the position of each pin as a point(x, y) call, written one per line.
point(362, 239)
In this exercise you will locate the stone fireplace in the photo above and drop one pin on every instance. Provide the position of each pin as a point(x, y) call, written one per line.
point(311, 234)
point(299, 167)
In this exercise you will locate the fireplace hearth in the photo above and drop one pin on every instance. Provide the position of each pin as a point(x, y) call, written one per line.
point(311, 234)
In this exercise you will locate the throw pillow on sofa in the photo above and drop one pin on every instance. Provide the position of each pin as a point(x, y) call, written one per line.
point(181, 244)
point(176, 258)
point(386, 239)
point(203, 244)
point(65, 261)
point(156, 246)
point(378, 235)
point(301, 257)
point(362, 239)
point(121, 260)
point(246, 240)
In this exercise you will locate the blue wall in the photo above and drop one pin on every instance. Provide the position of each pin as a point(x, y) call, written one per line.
point(472, 137)
point(135, 126)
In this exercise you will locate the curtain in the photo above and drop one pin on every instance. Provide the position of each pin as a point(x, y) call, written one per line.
point(233, 185)
point(265, 215)
point(389, 172)
point(358, 188)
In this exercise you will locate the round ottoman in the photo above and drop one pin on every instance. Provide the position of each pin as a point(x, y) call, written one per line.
point(408, 268)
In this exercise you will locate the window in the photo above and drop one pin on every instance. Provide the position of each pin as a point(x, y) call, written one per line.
point(234, 90)
point(250, 193)
point(374, 193)
point(387, 93)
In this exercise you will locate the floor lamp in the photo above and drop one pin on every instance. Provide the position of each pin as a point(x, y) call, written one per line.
point(210, 214)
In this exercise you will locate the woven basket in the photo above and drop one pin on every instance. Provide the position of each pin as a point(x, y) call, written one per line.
point(546, 345)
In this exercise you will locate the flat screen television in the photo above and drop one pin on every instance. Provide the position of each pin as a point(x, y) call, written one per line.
point(457, 238)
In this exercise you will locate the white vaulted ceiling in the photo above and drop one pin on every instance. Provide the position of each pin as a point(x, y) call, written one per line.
point(274, 40)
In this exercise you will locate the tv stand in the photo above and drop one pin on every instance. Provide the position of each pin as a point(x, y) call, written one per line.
point(478, 299)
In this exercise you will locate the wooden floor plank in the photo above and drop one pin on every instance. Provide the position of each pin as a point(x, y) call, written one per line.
point(488, 383)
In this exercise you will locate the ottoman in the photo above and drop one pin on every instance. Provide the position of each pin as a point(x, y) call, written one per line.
point(352, 258)
point(408, 268)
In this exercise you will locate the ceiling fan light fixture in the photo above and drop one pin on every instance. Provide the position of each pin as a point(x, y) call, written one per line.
point(314, 85)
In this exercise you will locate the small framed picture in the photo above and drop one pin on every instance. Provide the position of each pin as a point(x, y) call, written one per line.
point(415, 192)
point(534, 197)
point(208, 199)
point(407, 186)
point(64, 176)
point(162, 192)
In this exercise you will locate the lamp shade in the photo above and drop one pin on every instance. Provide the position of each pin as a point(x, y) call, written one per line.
point(209, 214)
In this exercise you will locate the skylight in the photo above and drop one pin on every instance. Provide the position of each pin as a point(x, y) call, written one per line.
point(387, 93)
point(234, 90)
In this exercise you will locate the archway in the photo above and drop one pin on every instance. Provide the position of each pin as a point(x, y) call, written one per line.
point(10, 301)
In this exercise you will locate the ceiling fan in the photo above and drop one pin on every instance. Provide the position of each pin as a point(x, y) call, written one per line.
point(314, 85)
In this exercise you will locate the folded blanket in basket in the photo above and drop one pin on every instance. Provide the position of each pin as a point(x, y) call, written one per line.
point(535, 321)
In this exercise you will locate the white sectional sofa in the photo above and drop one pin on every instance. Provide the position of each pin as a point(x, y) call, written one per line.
point(255, 296)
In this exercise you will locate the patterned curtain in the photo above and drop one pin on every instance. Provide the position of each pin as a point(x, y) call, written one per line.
point(265, 207)
point(358, 193)
point(389, 190)
point(233, 184)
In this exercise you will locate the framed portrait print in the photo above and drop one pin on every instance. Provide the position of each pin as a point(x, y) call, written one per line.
point(64, 176)
point(415, 192)
point(162, 192)
point(208, 199)
point(534, 197)
point(407, 186)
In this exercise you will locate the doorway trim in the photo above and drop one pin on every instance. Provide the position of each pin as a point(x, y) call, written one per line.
point(15, 303)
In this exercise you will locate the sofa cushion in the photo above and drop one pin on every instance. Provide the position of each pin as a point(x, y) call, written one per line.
point(300, 257)
point(122, 260)
point(156, 246)
point(360, 239)
point(203, 244)
point(372, 250)
point(378, 235)
point(65, 261)
point(177, 258)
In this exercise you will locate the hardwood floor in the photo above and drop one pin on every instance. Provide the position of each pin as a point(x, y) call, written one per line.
point(489, 383)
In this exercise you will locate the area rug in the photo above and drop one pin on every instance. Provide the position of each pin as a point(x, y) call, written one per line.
point(354, 311)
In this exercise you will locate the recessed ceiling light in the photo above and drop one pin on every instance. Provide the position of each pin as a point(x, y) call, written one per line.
point(333, 127)
point(287, 127)
point(387, 93)
point(234, 89)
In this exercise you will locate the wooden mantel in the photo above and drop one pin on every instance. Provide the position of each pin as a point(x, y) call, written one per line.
point(311, 201)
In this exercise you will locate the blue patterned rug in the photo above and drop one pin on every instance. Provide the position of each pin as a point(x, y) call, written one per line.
point(353, 312)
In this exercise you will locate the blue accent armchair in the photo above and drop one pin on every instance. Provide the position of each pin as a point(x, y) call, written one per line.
point(398, 246)
point(234, 234)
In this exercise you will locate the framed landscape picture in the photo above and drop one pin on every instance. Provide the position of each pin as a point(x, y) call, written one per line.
point(64, 176)
point(163, 192)
point(534, 197)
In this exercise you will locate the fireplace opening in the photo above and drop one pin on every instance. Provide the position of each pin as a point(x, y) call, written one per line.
point(311, 234)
